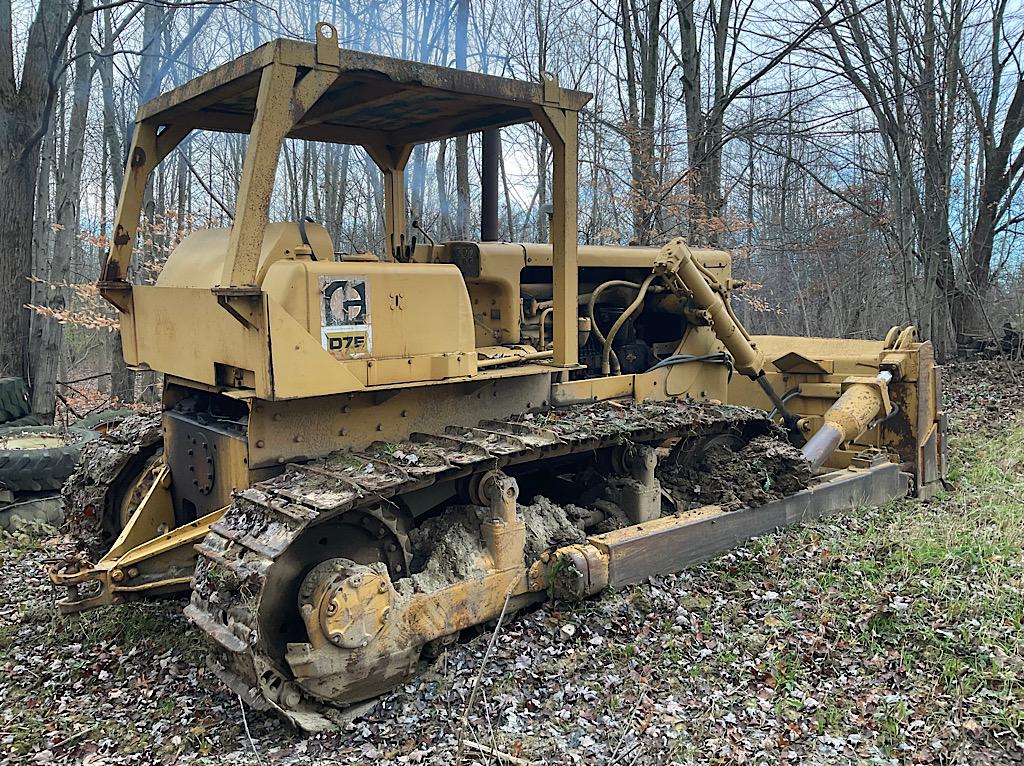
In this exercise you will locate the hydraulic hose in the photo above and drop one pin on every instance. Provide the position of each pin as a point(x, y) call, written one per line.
point(590, 312)
point(720, 357)
point(625, 315)
point(543, 320)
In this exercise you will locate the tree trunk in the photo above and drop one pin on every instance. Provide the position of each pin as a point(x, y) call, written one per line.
point(23, 113)
point(444, 206)
point(462, 216)
point(17, 189)
point(46, 356)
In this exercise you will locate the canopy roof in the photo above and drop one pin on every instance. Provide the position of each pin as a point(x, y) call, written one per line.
point(373, 98)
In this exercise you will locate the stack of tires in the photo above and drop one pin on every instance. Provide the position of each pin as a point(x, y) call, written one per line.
point(36, 459)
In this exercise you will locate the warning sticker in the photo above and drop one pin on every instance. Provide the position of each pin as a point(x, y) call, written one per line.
point(345, 316)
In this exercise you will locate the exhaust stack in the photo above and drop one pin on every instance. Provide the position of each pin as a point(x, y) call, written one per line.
point(490, 149)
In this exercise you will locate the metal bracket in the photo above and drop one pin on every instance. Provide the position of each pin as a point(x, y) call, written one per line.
point(118, 293)
point(327, 49)
point(241, 302)
point(552, 90)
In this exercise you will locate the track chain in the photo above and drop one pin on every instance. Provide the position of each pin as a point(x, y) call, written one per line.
point(239, 553)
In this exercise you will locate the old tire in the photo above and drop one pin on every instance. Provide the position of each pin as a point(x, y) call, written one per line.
point(107, 476)
point(105, 420)
point(14, 401)
point(38, 458)
point(27, 420)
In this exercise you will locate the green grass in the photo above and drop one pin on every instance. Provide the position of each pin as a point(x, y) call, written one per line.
point(929, 593)
point(902, 624)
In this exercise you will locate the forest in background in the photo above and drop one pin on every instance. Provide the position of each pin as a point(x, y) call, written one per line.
point(863, 160)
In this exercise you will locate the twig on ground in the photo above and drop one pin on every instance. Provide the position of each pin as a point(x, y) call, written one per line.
point(73, 738)
point(503, 757)
point(487, 718)
point(629, 725)
point(248, 734)
point(480, 672)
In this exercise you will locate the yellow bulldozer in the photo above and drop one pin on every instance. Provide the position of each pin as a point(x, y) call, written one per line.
point(360, 456)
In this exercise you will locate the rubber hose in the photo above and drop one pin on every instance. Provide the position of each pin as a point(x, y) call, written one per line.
point(625, 315)
point(592, 303)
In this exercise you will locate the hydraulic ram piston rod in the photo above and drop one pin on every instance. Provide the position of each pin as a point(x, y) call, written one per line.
point(851, 415)
point(677, 266)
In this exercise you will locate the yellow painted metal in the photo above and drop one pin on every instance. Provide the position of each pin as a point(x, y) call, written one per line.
point(912, 435)
point(279, 353)
point(677, 263)
point(207, 463)
point(150, 557)
point(560, 126)
point(349, 613)
point(281, 431)
point(392, 161)
point(864, 400)
point(258, 171)
point(149, 147)
point(153, 517)
point(495, 277)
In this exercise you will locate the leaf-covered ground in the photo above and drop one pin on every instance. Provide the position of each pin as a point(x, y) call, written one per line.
point(888, 636)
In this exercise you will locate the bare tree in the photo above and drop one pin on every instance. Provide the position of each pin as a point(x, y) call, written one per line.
point(24, 109)
point(1001, 159)
point(47, 343)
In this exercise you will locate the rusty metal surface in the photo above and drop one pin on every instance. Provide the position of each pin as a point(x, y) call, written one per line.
point(399, 101)
point(673, 542)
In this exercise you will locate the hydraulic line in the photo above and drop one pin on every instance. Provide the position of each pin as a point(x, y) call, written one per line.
point(592, 303)
point(681, 271)
point(625, 315)
point(720, 357)
point(543, 320)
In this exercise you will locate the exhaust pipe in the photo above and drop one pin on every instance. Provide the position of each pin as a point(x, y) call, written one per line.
point(490, 150)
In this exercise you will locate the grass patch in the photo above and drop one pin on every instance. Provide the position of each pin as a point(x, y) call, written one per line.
point(913, 610)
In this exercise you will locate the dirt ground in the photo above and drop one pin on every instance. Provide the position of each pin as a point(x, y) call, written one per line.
point(889, 636)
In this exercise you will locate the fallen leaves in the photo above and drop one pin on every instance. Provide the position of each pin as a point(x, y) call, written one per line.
point(888, 636)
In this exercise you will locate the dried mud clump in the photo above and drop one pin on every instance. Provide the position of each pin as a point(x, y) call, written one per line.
point(449, 549)
point(549, 525)
point(765, 469)
point(99, 467)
